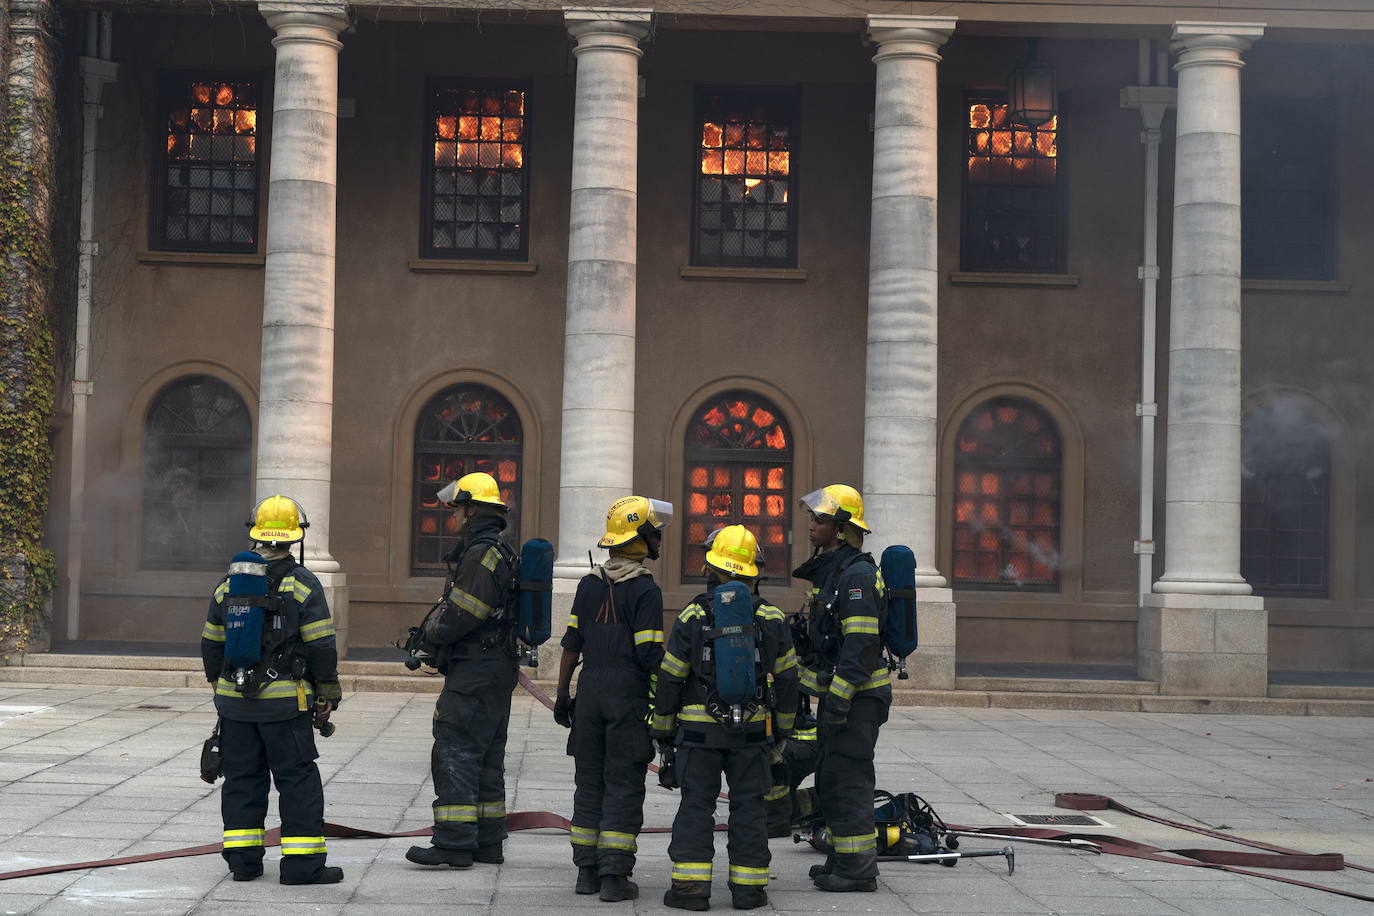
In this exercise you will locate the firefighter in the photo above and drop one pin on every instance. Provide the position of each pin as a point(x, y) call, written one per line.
point(798, 756)
point(473, 631)
point(615, 629)
point(266, 730)
point(708, 746)
point(847, 671)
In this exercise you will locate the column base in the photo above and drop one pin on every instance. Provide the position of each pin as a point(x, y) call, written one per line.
point(336, 593)
point(1204, 645)
point(931, 666)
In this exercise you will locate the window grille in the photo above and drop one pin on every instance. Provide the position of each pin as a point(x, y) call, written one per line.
point(207, 189)
point(1012, 216)
point(477, 184)
point(1287, 182)
point(1007, 480)
point(746, 208)
point(738, 456)
point(461, 429)
point(1285, 505)
point(197, 475)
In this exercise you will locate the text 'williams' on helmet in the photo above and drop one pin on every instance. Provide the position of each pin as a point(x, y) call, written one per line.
point(632, 517)
point(277, 520)
point(734, 550)
point(838, 501)
point(476, 487)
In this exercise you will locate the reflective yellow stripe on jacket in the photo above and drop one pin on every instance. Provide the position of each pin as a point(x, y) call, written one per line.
point(317, 629)
point(280, 689)
point(696, 712)
point(212, 631)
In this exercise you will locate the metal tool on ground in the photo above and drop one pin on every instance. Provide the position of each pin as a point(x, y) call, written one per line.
point(950, 858)
point(1085, 845)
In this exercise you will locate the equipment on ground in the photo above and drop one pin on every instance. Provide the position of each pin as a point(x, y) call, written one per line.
point(729, 655)
point(249, 619)
point(950, 859)
point(900, 637)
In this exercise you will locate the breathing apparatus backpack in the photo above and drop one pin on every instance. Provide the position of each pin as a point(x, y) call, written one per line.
point(900, 636)
point(903, 825)
point(251, 621)
point(523, 621)
point(728, 655)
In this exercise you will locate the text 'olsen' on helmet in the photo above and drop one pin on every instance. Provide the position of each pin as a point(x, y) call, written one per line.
point(632, 517)
point(476, 487)
point(734, 550)
point(277, 520)
point(838, 501)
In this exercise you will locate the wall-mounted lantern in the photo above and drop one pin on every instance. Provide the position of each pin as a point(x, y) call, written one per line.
point(1030, 91)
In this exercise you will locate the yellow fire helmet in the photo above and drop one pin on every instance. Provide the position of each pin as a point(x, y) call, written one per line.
point(631, 517)
point(838, 501)
point(277, 520)
point(734, 551)
point(476, 487)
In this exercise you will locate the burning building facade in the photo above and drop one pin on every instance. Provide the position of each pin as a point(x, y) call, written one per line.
point(723, 253)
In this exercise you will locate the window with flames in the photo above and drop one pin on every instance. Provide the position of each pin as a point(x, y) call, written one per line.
point(197, 475)
point(1285, 503)
point(745, 191)
point(207, 192)
point(1007, 479)
point(477, 188)
point(738, 457)
point(1012, 202)
point(462, 429)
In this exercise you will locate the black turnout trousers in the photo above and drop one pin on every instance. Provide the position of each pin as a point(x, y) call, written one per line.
point(844, 786)
point(255, 754)
point(748, 774)
point(469, 756)
point(611, 751)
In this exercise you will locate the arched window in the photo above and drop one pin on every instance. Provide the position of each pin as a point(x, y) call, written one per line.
point(1007, 478)
point(1285, 502)
point(462, 429)
point(197, 475)
point(738, 459)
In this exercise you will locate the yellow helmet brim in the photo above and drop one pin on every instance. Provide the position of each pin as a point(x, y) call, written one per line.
point(270, 535)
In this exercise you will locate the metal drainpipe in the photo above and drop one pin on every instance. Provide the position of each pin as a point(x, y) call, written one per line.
point(96, 70)
point(1152, 101)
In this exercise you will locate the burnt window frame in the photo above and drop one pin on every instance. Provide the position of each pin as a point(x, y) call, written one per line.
point(967, 261)
point(1269, 111)
point(1005, 467)
point(157, 492)
point(169, 84)
point(775, 571)
point(469, 451)
point(434, 85)
point(791, 96)
point(1270, 478)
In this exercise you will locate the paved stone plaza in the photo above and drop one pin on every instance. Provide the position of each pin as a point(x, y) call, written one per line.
point(91, 772)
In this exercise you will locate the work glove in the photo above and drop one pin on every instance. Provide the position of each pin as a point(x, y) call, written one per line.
point(563, 708)
point(662, 728)
point(835, 712)
point(781, 776)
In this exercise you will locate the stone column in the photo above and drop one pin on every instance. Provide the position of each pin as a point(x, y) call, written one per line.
point(1200, 632)
point(900, 456)
point(296, 401)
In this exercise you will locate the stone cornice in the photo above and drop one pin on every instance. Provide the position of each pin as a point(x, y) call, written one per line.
point(306, 20)
point(608, 28)
point(906, 35)
point(1219, 43)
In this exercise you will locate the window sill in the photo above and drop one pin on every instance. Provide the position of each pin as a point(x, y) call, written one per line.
point(774, 274)
point(1295, 286)
point(453, 266)
point(200, 259)
point(1053, 281)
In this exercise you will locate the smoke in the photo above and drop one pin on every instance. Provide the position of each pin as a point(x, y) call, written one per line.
point(1284, 436)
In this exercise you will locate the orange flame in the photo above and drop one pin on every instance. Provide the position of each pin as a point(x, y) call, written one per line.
point(752, 504)
point(753, 478)
point(696, 504)
point(225, 95)
point(776, 506)
point(776, 479)
point(446, 127)
point(468, 127)
point(246, 121)
point(512, 128)
point(711, 134)
point(979, 116)
point(512, 156)
point(490, 129)
point(698, 477)
point(429, 525)
point(777, 439)
point(202, 93)
point(738, 409)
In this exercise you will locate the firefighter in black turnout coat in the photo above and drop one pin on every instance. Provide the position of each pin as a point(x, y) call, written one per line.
point(615, 628)
point(477, 656)
point(266, 728)
point(845, 667)
point(708, 747)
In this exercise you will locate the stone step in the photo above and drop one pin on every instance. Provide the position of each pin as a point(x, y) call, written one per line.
point(1055, 685)
point(1107, 702)
point(1321, 692)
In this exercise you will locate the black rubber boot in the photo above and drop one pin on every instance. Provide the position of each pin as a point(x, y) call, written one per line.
point(248, 875)
point(327, 875)
point(823, 869)
point(829, 882)
point(744, 897)
point(688, 895)
point(489, 855)
point(437, 855)
point(587, 880)
point(615, 888)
